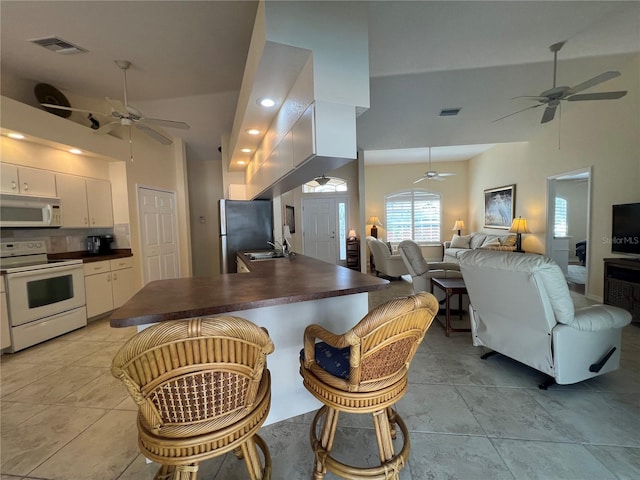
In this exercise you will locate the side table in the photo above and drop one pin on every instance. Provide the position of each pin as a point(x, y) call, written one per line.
point(451, 286)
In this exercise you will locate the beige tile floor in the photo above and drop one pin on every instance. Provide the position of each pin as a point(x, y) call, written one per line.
point(64, 417)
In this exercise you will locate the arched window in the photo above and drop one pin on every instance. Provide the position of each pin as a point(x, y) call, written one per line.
point(325, 185)
point(414, 215)
point(560, 226)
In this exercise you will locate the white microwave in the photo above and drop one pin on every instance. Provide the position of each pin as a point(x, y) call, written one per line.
point(17, 211)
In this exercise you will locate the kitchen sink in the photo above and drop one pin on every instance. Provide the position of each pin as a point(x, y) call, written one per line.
point(264, 255)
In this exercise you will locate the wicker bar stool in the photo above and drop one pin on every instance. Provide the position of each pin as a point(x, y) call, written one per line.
point(202, 390)
point(365, 371)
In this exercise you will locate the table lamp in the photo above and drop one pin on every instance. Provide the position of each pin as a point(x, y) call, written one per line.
point(459, 225)
point(519, 226)
point(352, 234)
point(375, 223)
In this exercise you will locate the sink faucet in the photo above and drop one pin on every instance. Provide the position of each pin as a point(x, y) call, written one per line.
point(277, 246)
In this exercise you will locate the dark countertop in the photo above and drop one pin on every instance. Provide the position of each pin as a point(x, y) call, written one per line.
point(86, 257)
point(270, 282)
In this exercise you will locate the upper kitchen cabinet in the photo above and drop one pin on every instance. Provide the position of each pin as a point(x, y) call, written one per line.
point(86, 202)
point(27, 181)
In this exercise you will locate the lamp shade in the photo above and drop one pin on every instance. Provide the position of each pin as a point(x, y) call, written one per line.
point(352, 233)
point(519, 225)
point(374, 221)
point(459, 225)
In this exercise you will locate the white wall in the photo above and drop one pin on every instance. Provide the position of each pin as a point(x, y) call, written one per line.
point(576, 193)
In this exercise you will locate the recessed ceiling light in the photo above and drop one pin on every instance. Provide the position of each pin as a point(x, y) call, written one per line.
point(245, 150)
point(253, 131)
point(266, 102)
point(75, 151)
point(241, 162)
point(17, 136)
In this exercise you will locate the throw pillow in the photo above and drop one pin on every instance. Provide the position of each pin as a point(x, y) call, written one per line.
point(491, 242)
point(460, 241)
point(510, 241)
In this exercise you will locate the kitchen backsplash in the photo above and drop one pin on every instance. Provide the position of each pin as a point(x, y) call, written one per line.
point(69, 240)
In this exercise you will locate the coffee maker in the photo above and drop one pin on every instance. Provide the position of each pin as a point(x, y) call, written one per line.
point(99, 244)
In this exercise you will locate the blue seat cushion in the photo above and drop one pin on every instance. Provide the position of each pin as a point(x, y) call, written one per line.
point(334, 361)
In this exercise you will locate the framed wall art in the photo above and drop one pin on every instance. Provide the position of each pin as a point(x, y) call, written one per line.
point(499, 206)
point(290, 218)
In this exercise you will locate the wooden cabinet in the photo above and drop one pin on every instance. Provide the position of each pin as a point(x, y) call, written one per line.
point(108, 285)
point(353, 253)
point(622, 285)
point(86, 202)
point(27, 181)
point(5, 332)
point(241, 267)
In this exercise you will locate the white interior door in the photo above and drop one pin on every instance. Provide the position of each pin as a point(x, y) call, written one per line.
point(324, 221)
point(158, 233)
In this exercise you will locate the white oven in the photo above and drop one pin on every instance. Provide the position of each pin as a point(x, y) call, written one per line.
point(45, 298)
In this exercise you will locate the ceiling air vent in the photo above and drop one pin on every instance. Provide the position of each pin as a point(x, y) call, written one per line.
point(449, 112)
point(58, 45)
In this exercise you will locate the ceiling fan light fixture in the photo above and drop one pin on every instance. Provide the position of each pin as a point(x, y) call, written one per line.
point(322, 180)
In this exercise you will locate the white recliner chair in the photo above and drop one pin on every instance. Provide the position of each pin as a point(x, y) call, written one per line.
point(384, 261)
point(521, 307)
point(422, 271)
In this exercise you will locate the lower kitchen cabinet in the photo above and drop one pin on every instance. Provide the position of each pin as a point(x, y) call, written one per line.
point(5, 334)
point(108, 285)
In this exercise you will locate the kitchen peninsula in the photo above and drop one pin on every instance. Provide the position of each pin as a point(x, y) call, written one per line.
point(284, 295)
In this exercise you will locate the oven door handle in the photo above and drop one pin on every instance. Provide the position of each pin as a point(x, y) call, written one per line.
point(47, 270)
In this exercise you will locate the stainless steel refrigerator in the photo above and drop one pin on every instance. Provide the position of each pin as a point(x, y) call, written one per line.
point(244, 225)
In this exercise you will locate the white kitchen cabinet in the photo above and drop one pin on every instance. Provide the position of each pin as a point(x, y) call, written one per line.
point(304, 142)
point(27, 181)
point(98, 290)
point(5, 333)
point(241, 267)
point(99, 203)
point(86, 202)
point(108, 285)
point(122, 281)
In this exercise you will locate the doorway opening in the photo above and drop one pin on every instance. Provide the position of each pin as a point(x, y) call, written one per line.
point(568, 225)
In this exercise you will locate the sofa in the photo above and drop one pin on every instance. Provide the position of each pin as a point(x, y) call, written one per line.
point(384, 261)
point(521, 307)
point(460, 244)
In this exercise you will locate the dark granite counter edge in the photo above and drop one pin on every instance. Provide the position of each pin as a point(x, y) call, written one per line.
point(235, 307)
point(86, 257)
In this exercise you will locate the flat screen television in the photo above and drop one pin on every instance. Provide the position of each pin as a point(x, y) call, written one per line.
point(625, 229)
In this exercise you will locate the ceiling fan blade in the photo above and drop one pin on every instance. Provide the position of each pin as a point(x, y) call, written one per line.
point(446, 174)
point(166, 123)
point(71, 109)
point(532, 97)
point(548, 114)
point(106, 128)
point(528, 108)
point(420, 179)
point(598, 96)
point(603, 77)
point(437, 178)
point(118, 106)
point(154, 134)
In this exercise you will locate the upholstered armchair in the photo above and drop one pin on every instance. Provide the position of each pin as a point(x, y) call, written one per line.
point(521, 307)
point(422, 271)
point(384, 261)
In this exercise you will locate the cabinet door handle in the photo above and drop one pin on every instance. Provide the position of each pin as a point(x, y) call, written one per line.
point(26, 186)
point(14, 185)
point(109, 278)
point(115, 277)
point(86, 221)
point(93, 221)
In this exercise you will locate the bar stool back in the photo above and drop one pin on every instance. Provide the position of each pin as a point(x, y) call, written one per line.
point(202, 390)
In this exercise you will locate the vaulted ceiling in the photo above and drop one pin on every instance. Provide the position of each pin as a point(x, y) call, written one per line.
point(188, 60)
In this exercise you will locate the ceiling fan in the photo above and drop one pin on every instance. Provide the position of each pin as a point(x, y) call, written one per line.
point(552, 97)
point(127, 115)
point(432, 174)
